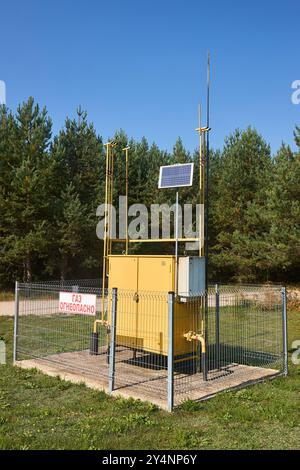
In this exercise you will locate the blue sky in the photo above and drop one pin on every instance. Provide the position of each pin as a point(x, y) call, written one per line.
point(141, 65)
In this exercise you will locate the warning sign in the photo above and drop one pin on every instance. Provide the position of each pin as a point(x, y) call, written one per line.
point(70, 302)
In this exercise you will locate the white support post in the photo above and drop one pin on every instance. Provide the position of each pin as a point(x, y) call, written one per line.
point(112, 349)
point(171, 299)
point(16, 321)
point(284, 331)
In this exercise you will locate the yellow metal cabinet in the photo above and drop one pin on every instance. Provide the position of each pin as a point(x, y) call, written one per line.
point(155, 280)
point(123, 274)
point(142, 319)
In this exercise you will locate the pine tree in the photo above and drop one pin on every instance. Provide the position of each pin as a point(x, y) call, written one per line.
point(26, 215)
point(8, 269)
point(283, 214)
point(297, 136)
point(243, 178)
point(70, 243)
point(78, 159)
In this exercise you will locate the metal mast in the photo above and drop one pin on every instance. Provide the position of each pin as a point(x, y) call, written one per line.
point(207, 173)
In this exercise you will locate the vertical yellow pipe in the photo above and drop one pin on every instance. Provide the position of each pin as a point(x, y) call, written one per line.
point(203, 326)
point(127, 202)
point(105, 227)
point(202, 179)
point(202, 187)
point(126, 194)
point(204, 167)
point(111, 199)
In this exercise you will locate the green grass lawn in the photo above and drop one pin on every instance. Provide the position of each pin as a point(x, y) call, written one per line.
point(40, 412)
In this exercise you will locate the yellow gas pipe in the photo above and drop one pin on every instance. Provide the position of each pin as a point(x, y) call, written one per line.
point(100, 322)
point(192, 336)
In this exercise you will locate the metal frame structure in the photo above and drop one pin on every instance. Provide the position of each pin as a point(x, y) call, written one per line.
point(199, 336)
point(203, 195)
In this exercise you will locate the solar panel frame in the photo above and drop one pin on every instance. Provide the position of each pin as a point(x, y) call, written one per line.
point(179, 184)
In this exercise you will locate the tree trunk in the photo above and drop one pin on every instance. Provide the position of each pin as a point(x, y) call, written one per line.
point(63, 268)
point(28, 268)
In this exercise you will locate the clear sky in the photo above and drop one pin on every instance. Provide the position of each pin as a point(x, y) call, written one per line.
point(140, 65)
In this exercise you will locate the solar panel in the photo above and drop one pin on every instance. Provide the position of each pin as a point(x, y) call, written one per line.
point(175, 176)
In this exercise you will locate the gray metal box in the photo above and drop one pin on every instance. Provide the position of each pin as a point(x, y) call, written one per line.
point(191, 276)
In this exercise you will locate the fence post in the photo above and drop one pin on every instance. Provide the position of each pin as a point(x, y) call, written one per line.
point(112, 348)
point(204, 348)
point(16, 321)
point(217, 327)
point(284, 331)
point(171, 299)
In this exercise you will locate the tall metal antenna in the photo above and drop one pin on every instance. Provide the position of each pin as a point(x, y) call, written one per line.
point(208, 88)
point(200, 181)
point(207, 172)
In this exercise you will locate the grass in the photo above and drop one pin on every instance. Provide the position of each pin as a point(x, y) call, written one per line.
point(56, 333)
point(41, 412)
